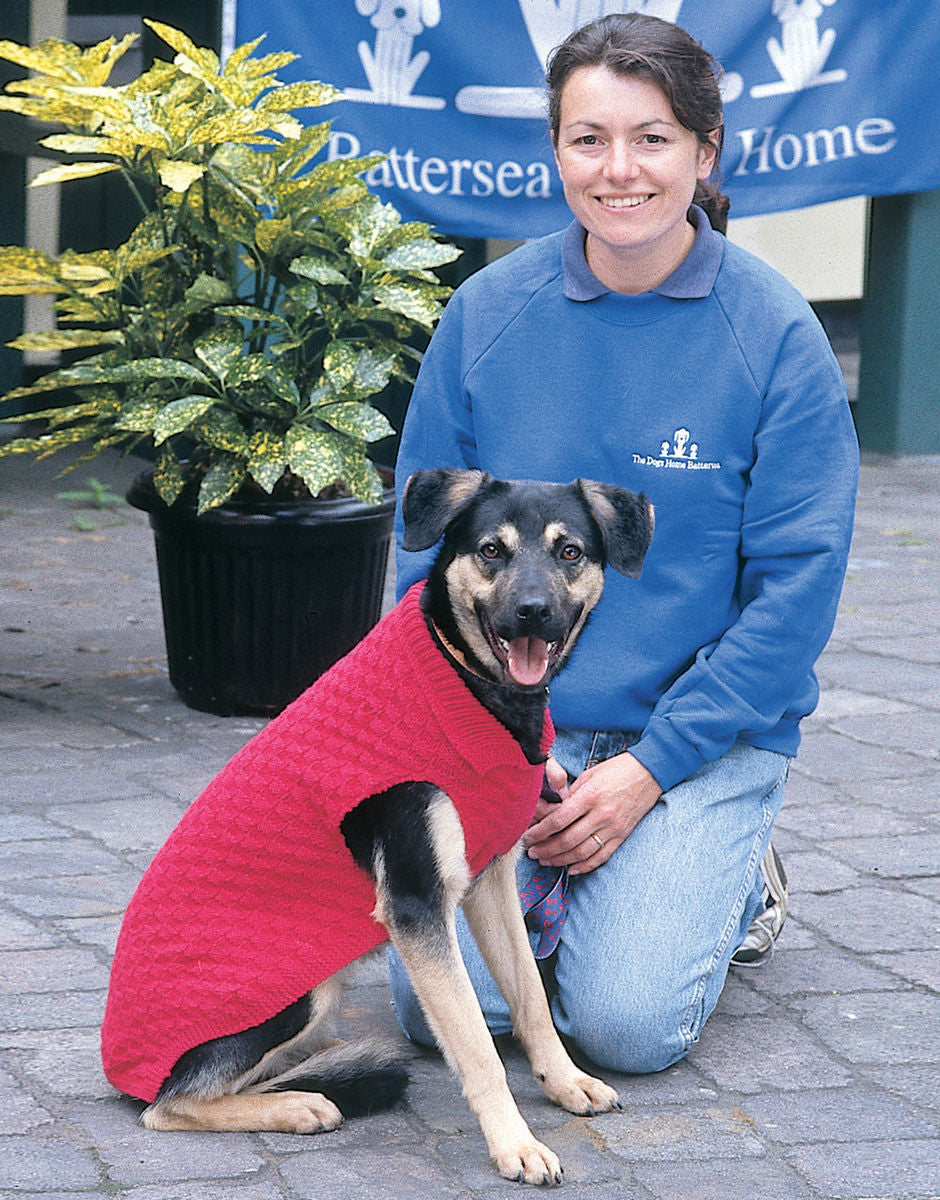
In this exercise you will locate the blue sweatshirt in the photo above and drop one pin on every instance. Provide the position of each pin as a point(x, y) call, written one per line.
point(717, 395)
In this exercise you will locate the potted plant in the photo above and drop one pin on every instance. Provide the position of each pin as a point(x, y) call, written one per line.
point(243, 332)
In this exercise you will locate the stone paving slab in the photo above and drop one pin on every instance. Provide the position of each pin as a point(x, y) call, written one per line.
point(817, 1078)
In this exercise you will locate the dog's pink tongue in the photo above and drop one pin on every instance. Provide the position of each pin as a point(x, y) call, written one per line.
point(528, 660)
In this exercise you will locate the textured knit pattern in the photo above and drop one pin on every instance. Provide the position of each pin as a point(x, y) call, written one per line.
point(255, 898)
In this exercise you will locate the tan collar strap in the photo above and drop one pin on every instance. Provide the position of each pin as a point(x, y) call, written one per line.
point(457, 655)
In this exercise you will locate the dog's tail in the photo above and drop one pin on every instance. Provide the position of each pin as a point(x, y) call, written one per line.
point(359, 1077)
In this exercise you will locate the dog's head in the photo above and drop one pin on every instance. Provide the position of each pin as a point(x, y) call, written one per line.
point(522, 564)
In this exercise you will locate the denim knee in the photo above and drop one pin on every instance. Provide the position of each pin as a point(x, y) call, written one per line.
point(629, 1038)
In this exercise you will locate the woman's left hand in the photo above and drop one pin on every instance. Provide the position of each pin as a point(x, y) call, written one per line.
point(597, 813)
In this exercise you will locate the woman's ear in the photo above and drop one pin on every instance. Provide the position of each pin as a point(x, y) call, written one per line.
point(708, 154)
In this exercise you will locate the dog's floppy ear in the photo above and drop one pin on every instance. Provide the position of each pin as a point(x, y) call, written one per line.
point(432, 499)
point(626, 522)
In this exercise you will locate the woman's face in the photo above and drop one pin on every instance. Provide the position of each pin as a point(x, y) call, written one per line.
point(629, 170)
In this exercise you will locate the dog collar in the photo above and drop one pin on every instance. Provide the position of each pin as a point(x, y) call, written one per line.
point(456, 654)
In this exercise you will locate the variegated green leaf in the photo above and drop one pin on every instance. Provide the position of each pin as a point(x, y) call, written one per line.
point(282, 384)
point(179, 415)
point(82, 270)
point(51, 57)
point(292, 156)
point(98, 102)
point(65, 339)
point(316, 457)
point(222, 481)
point(70, 143)
point(285, 126)
point(362, 479)
point(207, 291)
point(140, 371)
point(204, 62)
point(178, 176)
point(268, 234)
point(367, 224)
point(222, 430)
point(235, 61)
point(356, 419)
point(28, 272)
point(140, 417)
point(247, 369)
point(268, 63)
point(248, 312)
point(409, 300)
point(72, 171)
point(59, 112)
point(308, 94)
point(267, 459)
point(69, 413)
point(168, 476)
point(420, 255)
point(63, 60)
point(339, 364)
point(320, 270)
point(220, 350)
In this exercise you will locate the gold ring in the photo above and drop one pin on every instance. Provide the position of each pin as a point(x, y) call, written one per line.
point(598, 840)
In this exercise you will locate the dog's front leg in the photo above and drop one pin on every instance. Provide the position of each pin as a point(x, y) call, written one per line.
point(419, 916)
point(494, 915)
point(443, 987)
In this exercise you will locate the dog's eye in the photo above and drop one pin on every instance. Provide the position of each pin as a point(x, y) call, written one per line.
point(490, 550)
point(570, 552)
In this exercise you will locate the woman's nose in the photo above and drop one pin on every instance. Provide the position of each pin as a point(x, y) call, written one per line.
point(621, 163)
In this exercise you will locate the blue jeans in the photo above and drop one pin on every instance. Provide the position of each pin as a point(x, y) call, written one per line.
point(649, 935)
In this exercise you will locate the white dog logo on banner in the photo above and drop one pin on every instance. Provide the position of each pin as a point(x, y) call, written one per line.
point(392, 69)
point(801, 53)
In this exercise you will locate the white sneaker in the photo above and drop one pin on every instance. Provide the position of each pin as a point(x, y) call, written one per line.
point(758, 946)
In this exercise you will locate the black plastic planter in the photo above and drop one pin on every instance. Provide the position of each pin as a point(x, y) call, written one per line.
point(260, 600)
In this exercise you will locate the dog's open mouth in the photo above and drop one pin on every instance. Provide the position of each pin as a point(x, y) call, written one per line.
point(526, 660)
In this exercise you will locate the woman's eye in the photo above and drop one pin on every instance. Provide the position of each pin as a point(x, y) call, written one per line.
point(588, 139)
point(489, 550)
point(570, 553)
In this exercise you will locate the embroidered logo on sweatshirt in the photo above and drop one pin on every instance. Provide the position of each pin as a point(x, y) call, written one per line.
point(680, 454)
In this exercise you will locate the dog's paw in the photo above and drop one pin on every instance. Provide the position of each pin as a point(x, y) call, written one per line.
point(583, 1094)
point(306, 1112)
point(529, 1163)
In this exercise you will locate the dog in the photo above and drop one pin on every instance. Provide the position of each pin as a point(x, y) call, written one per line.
point(231, 958)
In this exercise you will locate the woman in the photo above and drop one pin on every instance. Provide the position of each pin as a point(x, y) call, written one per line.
point(640, 348)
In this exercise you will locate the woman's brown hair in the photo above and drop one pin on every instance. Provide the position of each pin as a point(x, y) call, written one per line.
point(653, 49)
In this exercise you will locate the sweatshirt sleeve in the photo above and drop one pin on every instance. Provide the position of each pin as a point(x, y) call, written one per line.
point(438, 429)
point(795, 535)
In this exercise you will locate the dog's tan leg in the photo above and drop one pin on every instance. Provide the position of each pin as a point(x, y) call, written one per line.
point(277, 1112)
point(449, 1002)
point(426, 939)
point(495, 919)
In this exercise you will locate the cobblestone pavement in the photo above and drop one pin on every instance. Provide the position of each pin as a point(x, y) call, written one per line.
point(817, 1076)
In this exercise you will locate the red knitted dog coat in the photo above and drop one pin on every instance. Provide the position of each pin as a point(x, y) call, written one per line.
point(255, 898)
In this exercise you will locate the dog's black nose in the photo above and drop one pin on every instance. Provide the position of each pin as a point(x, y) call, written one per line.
point(533, 613)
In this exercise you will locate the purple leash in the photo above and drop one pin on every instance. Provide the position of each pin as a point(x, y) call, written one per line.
point(545, 896)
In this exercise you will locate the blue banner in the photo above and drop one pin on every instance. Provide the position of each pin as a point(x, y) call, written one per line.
point(823, 98)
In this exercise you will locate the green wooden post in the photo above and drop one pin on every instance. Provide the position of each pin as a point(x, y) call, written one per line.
point(898, 409)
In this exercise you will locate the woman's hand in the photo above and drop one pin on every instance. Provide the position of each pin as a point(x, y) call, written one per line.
point(597, 813)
